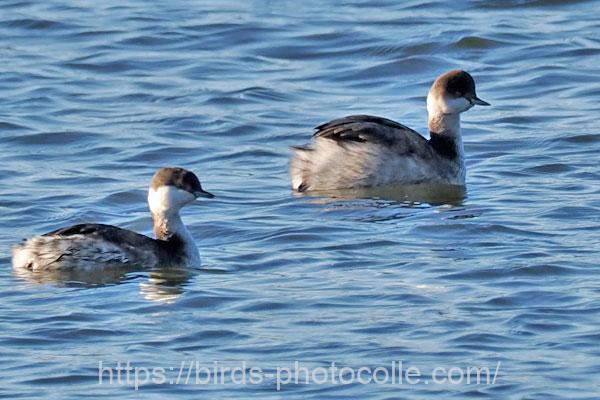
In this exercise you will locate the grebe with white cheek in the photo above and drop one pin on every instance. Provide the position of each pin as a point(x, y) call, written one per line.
point(367, 151)
point(94, 246)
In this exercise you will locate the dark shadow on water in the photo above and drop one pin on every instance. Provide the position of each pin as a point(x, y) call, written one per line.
point(163, 284)
point(435, 195)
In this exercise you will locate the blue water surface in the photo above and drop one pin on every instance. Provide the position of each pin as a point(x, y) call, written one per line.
point(95, 96)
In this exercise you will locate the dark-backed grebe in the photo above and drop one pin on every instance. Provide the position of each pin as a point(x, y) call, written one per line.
point(100, 246)
point(365, 151)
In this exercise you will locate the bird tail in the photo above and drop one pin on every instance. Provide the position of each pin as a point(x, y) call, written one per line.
point(299, 166)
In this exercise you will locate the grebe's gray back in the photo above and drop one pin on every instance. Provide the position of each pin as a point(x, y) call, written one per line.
point(366, 151)
point(86, 246)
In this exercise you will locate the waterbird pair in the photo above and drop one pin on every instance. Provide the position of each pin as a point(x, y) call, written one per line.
point(351, 152)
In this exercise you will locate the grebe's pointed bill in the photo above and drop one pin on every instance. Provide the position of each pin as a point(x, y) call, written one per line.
point(203, 193)
point(476, 100)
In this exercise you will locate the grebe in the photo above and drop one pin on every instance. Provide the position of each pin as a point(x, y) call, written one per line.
point(92, 246)
point(365, 151)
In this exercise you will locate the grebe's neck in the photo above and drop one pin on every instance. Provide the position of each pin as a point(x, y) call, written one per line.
point(444, 130)
point(446, 140)
point(168, 226)
point(445, 124)
point(444, 114)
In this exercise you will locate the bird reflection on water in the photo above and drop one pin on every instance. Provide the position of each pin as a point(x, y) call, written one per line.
point(164, 285)
point(411, 195)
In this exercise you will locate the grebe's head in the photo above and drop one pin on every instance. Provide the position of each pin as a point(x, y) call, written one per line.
point(173, 188)
point(453, 93)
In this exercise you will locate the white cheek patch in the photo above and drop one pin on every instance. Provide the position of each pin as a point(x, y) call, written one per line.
point(446, 105)
point(166, 199)
point(457, 105)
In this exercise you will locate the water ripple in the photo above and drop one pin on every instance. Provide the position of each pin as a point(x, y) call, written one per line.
point(95, 99)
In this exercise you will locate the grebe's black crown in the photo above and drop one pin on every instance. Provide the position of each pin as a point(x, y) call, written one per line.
point(179, 178)
point(458, 83)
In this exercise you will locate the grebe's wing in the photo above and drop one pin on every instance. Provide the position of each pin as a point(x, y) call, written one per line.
point(85, 246)
point(371, 129)
point(109, 233)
